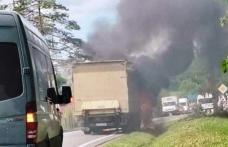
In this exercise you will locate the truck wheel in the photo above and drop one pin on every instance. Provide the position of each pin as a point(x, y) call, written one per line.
point(126, 129)
point(137, 125)
point(97, 131)
point(87, 131)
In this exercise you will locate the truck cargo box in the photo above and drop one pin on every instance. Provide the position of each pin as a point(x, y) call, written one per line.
point(101, 87)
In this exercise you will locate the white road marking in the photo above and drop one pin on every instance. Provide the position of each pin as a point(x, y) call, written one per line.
point(96, 140)
point(72, 132)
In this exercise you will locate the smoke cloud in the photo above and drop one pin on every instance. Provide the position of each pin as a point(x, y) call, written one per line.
point(161, 37)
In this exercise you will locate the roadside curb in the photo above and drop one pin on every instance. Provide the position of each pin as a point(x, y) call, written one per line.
point(71, 130)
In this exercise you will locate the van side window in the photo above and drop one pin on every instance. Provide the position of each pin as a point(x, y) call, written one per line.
point(51, 79)
point(10, 72)
point(41, 72)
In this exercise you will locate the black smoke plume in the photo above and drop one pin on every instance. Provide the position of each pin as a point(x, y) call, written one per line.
point(161, 37)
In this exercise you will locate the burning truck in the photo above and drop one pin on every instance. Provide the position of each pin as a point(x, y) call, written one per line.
point(161, 44)
point(106, 96)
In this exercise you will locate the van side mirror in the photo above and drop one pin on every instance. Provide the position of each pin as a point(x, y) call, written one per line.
point(66, 94)
point(65, 98)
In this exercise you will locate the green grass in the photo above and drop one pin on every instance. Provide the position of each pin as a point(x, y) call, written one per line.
point(136, 139)
point(200, 132)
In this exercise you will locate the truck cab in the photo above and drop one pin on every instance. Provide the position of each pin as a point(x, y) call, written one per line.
point(169, 105)
point(101, 115)
point(205, 102)
point(183, 105)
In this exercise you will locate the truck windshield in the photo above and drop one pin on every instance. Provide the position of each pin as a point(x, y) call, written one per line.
point(183, 104)
point(10, 71)
point(169, 103)
point(206, 100)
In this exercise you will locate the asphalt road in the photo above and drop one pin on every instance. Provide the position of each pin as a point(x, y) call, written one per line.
point(168, 119)
point(79, 139)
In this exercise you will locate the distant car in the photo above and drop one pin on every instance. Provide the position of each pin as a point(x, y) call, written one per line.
point(29, 99)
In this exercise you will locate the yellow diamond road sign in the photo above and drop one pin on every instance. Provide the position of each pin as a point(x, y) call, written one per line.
point(222, 88)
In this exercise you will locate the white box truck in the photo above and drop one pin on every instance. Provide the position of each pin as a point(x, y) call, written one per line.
point(105, 96)
point(170, 105)
point(183, 105)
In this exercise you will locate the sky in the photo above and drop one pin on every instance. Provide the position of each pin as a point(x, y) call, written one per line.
point(88, 12)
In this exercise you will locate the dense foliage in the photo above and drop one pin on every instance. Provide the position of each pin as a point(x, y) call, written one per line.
point(52, 20)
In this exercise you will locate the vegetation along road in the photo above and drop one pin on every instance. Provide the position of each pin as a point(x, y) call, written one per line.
point(189, 132)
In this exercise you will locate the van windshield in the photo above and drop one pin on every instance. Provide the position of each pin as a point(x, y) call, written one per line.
point(10, 71)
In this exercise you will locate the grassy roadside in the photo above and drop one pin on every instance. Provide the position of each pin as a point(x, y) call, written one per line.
point(200, 132)
point(136, 139)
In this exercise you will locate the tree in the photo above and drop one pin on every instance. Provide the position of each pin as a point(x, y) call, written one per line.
point(60, 80)
point(224, 20)
point(3, 6)
point(52, 20)
point(200, 77)
point(224, 65)
point(224, 79)
point(193, 79)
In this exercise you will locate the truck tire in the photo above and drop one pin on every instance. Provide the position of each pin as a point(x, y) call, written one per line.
point(137, 125)
point(126, 129)
point(86, 132)
point(133, 123)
